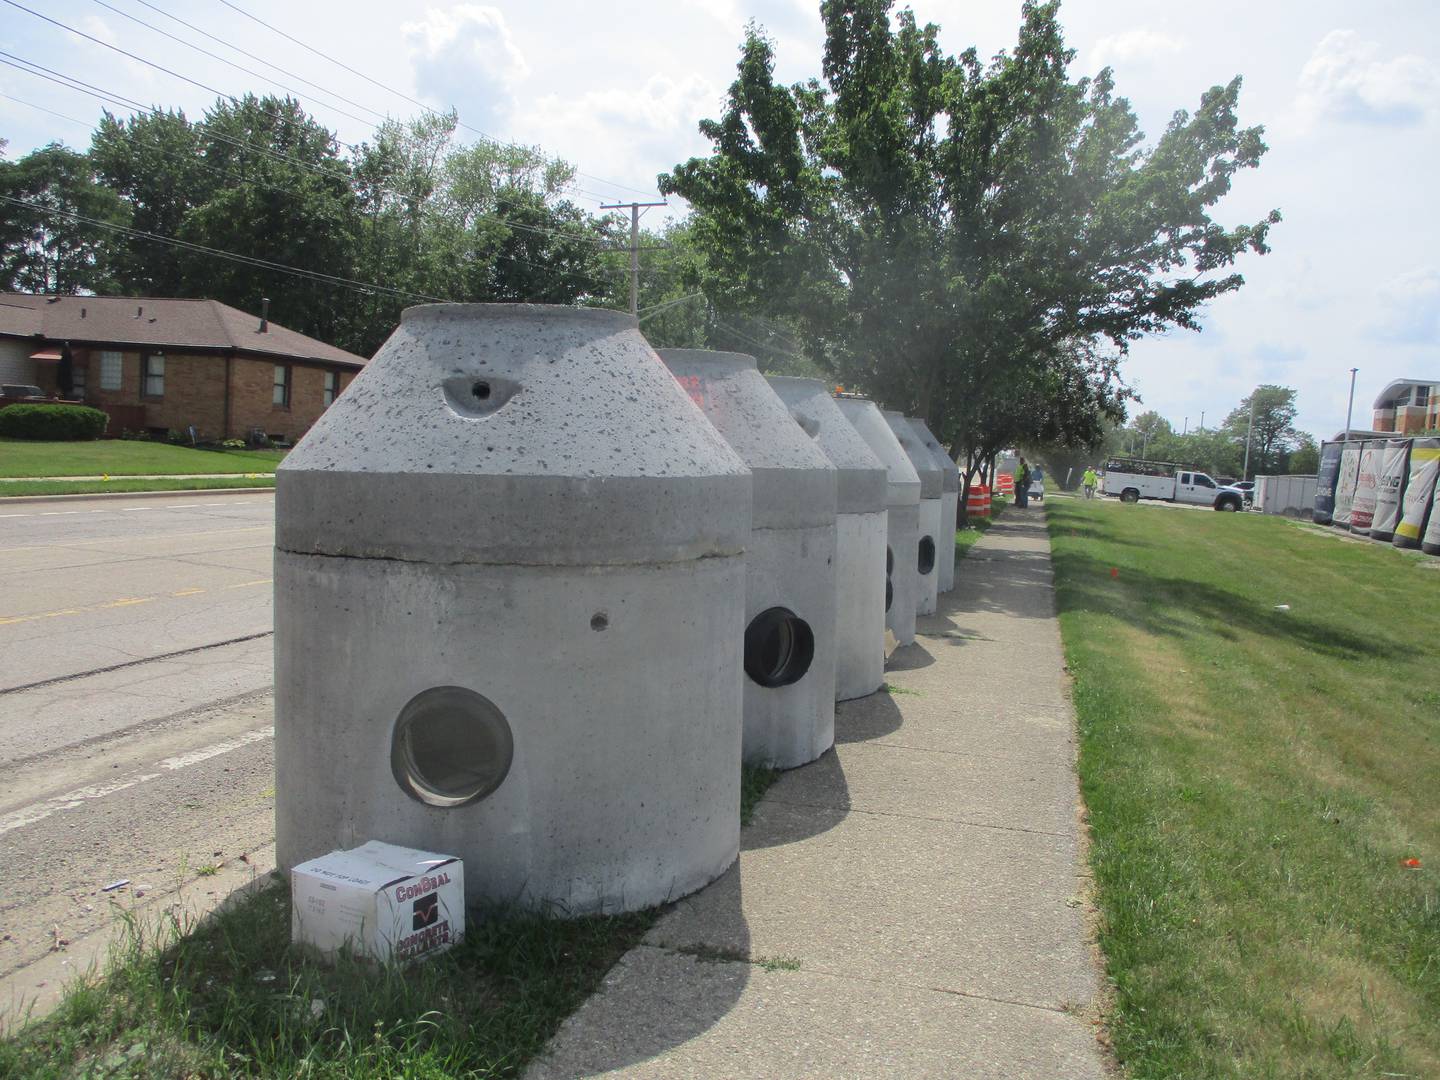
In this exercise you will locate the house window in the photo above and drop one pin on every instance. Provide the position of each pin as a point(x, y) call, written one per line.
point(1422, 396)
point(112, 370)
point(77, 381)
point(281, 396)
point(152, 375)
point(332, 386)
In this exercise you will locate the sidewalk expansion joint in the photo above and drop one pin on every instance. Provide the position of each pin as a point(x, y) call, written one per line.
point(1069, 761)
point(921, 817)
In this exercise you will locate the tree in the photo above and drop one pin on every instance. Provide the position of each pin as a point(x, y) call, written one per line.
point(1273, 435)
point(1305, 458)
point(953, 237)
point(50, 241)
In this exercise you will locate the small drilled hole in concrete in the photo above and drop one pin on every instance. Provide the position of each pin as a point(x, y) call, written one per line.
point(599, 621)
point(481, 390)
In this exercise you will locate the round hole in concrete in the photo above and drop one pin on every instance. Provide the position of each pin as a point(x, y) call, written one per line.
point(451, 746)
point(481, 390)
point(779, 647)
point(599, 621)
point(927, 554)
point(889, 593)
point(889, 559)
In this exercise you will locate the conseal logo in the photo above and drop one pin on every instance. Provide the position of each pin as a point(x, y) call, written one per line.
point(420, 887)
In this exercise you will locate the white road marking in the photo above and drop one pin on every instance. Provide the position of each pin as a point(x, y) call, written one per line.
point(37, 812)
point(196, 756)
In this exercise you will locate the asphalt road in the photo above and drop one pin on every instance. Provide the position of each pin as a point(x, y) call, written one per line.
point(135, 704)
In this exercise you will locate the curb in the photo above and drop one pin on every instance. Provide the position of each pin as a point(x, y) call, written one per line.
point(13, 500)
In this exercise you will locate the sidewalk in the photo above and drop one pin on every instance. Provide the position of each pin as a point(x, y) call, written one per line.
point(909, 905)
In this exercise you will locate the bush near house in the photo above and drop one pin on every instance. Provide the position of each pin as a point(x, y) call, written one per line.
point(55, 423)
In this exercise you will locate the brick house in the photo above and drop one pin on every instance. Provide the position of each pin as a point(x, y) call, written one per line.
point(1408, 407)
point(159, 365)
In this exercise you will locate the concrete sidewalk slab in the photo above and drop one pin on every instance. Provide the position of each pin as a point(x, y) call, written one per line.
point(670, 1016)
point(912, 904)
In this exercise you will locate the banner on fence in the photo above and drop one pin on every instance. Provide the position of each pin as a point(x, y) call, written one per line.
point(1367, 487)
point(1419, 498)
point(1345, 484)
point(1325, 480)
point(1390, 488)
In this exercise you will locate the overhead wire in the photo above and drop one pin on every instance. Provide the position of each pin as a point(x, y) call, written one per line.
point(401, 94)
point(333, 173)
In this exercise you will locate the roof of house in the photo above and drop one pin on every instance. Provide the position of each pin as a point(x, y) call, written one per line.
point(152, 322)
point(1390, 393)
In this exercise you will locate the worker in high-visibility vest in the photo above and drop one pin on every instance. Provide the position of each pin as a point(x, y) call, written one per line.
point(1089, 480)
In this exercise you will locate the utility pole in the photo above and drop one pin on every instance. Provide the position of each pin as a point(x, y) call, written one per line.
point(1202, 419)
point(1351, 407)
point(1185, 429)
point(1245, 472)
point(634, 208)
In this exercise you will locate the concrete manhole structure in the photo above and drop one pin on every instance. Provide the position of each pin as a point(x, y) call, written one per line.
point(509, 606)
point(790, 626)
point(902, 518)
point(927, 548)
point(860, 520)
point(949, 503)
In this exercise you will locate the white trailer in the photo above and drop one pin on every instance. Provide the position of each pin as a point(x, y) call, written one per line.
point(1293, 496)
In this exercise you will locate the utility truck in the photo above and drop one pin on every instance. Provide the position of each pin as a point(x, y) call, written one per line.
point(1131, 480)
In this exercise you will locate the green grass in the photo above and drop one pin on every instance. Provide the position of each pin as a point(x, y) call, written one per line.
point(233, 997)
point(126, 457)
point(1254, 778)
point(755, 780)
point(15, 488)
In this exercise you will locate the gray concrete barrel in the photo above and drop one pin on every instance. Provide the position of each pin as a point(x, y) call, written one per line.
point(509, 600)
point(949, 503)
point(902, 519)
point(860, 521)
point(927, 551)
point(789, 634)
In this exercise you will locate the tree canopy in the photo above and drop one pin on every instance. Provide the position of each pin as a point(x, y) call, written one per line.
point(978, 243)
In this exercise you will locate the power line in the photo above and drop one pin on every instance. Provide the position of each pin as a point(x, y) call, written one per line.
point(335, 174)
point(402, 94)
point(230, 63)
point(249, 260)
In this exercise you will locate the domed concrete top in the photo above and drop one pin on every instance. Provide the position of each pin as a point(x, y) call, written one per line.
point(794, 481)
point(919, 454)
point(860, 473)
point(903, 488)
point(949, 474)
point(513, 433)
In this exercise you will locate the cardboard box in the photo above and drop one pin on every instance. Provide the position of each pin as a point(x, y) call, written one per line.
point(379, 901)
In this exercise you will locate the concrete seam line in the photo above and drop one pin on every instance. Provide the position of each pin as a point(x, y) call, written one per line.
point(919, 817)
point(134, 663)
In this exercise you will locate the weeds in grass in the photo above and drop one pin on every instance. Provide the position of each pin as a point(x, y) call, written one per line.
point(778, 963)
point(233, 996)
point(755, 780)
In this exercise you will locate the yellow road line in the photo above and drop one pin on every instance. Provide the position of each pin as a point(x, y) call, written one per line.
point(124, 601)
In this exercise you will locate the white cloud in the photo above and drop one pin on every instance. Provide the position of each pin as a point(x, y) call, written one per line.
point(1409, 308)
point(1346, 79)
point(1133, 47)
point(466, 57)
point(627, 134)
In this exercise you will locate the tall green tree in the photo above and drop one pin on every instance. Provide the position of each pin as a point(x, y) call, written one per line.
point(1273, 436)
point(49, 242)
point(954, 236)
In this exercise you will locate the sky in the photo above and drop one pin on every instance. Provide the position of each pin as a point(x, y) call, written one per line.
point(1349, 95)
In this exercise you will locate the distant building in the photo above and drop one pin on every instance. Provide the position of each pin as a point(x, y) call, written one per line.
point(1408, 406)
point(157, 365)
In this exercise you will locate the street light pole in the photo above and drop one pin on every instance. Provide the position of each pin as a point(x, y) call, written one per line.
point(1350, 408)
point(1245, 472)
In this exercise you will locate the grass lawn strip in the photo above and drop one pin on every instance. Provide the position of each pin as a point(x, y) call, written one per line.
point(232, 996)
point(126, 457)
point(15, 488)
point(1254, 778)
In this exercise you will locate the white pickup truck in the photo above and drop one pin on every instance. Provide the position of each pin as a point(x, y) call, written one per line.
point(1130, 481)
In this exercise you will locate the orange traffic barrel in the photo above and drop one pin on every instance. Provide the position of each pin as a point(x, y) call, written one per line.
point(977, 504)
point(1005, 484)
